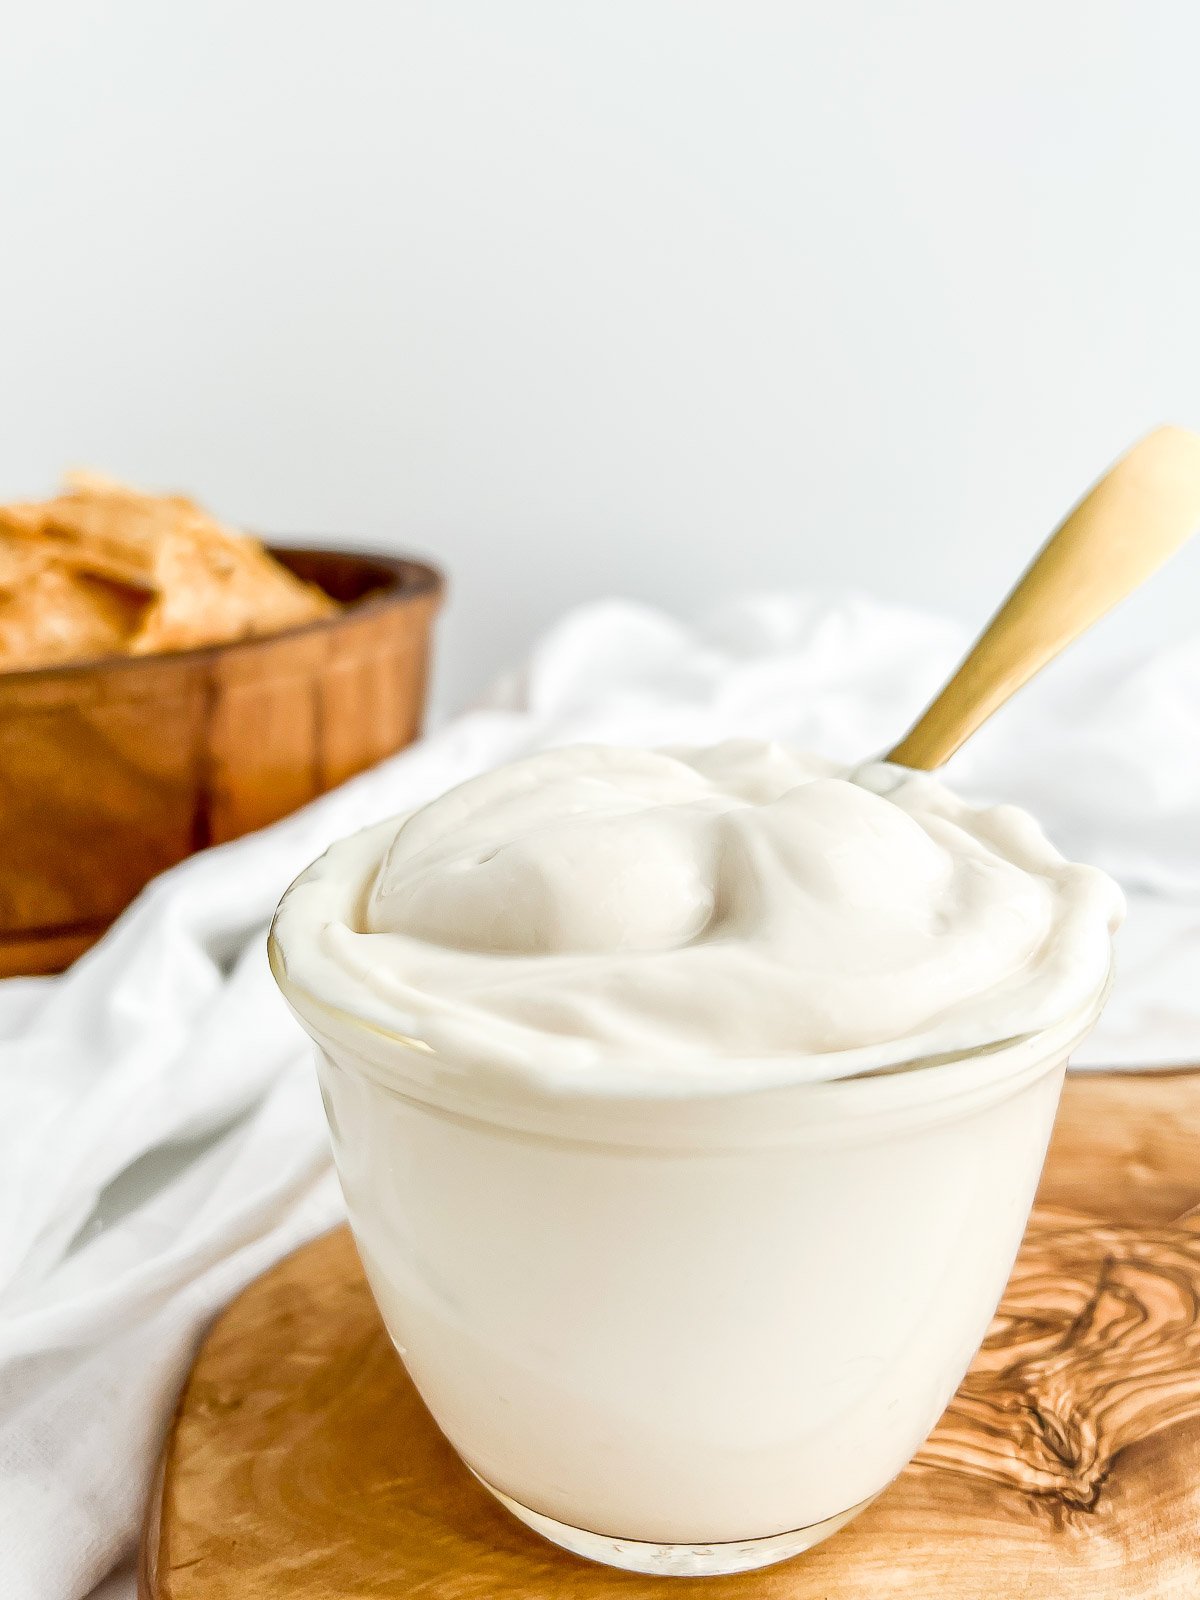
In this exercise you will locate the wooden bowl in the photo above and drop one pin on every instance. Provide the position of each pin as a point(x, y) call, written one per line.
point(112, 770)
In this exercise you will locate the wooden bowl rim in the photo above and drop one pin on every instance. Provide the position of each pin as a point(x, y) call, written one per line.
point(411, 579)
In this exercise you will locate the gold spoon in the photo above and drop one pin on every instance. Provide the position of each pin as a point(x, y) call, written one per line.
point(1124, 528)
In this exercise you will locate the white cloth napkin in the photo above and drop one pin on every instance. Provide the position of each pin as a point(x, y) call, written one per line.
point(161, 1140)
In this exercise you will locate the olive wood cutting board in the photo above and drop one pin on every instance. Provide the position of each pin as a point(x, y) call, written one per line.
point(301, 1463)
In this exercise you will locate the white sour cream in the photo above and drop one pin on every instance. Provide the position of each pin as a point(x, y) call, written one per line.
point(699, 920)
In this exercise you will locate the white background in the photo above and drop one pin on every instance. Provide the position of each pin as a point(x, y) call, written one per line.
point(639, 297)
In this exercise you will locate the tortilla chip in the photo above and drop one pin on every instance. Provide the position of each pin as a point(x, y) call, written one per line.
point(108, 532)
point(19, 561)
point(104, 567)
point(51, 616)
point(213, 591)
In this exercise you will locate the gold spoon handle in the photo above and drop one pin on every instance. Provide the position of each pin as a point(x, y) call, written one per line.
point(1139, 513)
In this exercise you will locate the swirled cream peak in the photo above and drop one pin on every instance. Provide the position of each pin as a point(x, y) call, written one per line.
point(665, 911)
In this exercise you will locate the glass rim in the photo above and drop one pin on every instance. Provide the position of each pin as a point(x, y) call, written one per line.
point(919, 1085)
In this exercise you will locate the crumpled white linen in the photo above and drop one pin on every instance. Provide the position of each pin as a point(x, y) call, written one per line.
point(161, 1140)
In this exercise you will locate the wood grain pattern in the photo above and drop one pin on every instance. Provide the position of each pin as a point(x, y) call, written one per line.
point(303, 1465)
point(111, 771)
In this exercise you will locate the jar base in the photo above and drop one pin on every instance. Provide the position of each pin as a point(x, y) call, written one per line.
point(676, 1560)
